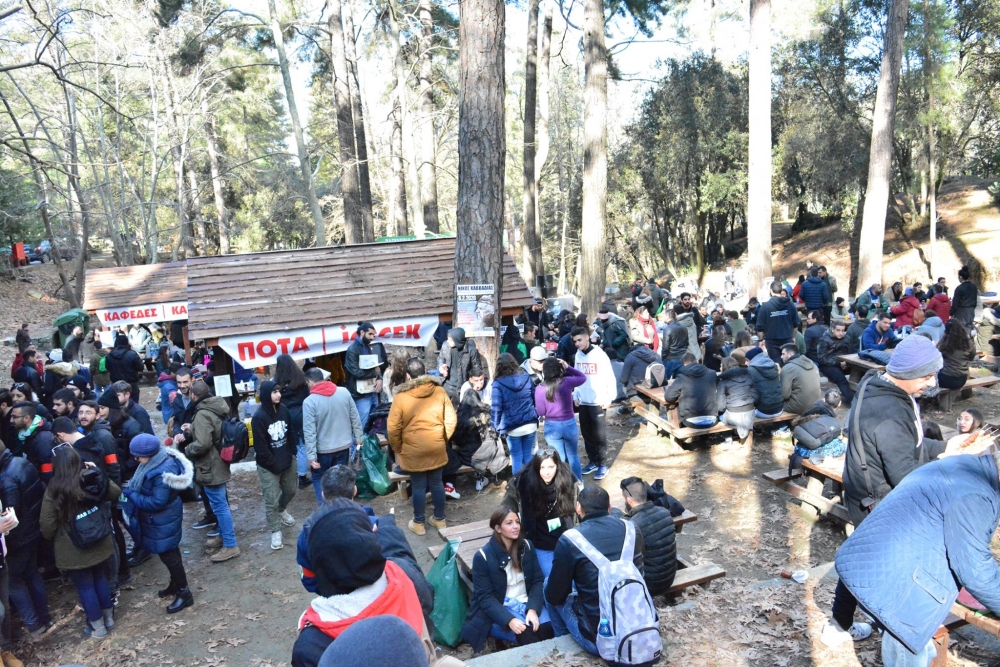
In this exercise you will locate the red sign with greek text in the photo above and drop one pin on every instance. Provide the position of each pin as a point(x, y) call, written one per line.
point(156, 312)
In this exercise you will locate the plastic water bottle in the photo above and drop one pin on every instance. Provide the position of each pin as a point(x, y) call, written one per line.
point(604, 629)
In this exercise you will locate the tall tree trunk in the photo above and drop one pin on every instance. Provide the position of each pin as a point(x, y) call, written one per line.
point(397, 181)
point(759, 162)
point(532, 244)
point(211, 143)
point(428, 140)
point(931, 140)
point(481, 151)
point(184, 244)
point(360, 141)
point(593, 274)
point(542, 130)
point(411, 165)
point(880, 155)
point(293, 112)
point(198, 220)
point(350, 184)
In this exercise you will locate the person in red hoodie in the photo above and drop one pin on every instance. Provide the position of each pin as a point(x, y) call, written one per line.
point(939, 304)
point(904, 311)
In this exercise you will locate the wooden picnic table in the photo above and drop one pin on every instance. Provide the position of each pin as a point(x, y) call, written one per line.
point(858, 367)
point(811, 493)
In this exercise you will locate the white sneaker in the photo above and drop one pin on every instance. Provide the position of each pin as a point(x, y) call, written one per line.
point(276, 542)
point(449, 490)
point(287, 518)
point(833, 635)
point(481, 483)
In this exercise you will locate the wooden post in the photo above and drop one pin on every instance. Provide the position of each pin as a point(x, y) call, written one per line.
point(940, 640)
point(224, 366)
point(187, 347)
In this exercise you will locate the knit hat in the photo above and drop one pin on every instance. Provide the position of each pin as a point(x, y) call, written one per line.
point(55, 355)
point(908, 291)
point(915, 357)
point(344, 551)
point(144, 445)
point(753, 353)
point(458, 335)
point(79, 382)
point(539, 353)
point(365, 642)
point(109, 399)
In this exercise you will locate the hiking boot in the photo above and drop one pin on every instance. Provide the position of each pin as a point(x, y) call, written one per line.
point(167, 592)
point(449, 490)
point(213, 543)
point(602, 472)
point(183, 600)
point(304, 482)
point(834, 635)
point(109, 618)
point(204, 522)
point(417, 528)
point(589, 469)
point(138, 557)
point(276, 542)
point(224, 554)
point(437, 523)
point(287, 518)
point(95, 629)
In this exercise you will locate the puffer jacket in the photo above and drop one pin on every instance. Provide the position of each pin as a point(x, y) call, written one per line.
point(735, 391)
point(764, 374)
point(421, 421)
point(693, 389)
point(688, 321)
point(101, 433)
point(675, 342)
point(206, 437)
point(123, 363)
point(940, 304)
point(814, 333)
point(633, 371)
point(167, 386)
point(933, 327)
point(158, 503)
point(659, 536)
point(37, 448)
point(800, 384)
point(904, 312)
point(21, 489)
point(904, 564)
point(815, 293)
point(513, 402)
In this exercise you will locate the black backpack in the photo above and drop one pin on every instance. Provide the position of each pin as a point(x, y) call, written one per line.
point(815, 433)
point(235, 440)
point(92, 521)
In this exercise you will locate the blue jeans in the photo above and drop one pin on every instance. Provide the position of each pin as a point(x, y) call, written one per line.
point(365, 404)
point(420, 482)
point(27, 590)
point(522, 448)
point(220, 506)
point(565, 621)
point(327, 461)
point(670, 368)
point(93, 589)
point(545, 561)
point(301, 462)
point(564, 437)
point(520, 610)
point(894, 654)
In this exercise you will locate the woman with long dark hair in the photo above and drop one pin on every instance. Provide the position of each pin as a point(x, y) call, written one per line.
point(512, 410)
point(714, 352)
point(546, 491)
point(507, 598)
point(395, 374)
point(22, 391)
point(512, 344)
point(294, 391)
point(73, 491)
point(970, 421)
point(958, 350)
point(554, 402)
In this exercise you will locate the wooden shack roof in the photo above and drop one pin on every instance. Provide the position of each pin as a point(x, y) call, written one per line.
point(314, 287)
point(140, 285)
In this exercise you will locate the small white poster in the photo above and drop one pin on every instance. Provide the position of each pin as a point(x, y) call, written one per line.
point(223, 386)
point(477, 312)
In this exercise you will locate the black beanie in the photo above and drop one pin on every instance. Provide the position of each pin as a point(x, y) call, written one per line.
point(458, 335)
point(343, 550)
point(109, 399)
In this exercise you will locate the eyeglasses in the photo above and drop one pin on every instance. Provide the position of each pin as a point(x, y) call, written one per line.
point(61, 444)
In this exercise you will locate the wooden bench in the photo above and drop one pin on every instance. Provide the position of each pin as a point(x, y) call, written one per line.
point(947, 397)
point(402, 480)
point(858, 367)
point(811, 494)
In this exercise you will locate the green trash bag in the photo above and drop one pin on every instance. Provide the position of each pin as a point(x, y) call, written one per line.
point(373, 476)
point(450, 603)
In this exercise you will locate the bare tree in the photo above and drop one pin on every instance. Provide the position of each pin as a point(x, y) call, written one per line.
point(532, 243)
point(397, 182)
point(759, 159)
point(428, 141)
point(593, 245)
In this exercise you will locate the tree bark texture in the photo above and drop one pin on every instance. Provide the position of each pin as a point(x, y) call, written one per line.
point(397, 180)
point(481, 152)
point(593, 274)
point(880, 155)
point(759, 162)
point(185, 243)
point(360, 140)
point(428, 140)
point(212, 144)
point(293, 113)
point(194, 201)
point(542, 127)
point(532, 244)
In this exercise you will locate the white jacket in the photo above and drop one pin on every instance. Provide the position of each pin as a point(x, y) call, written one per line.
point(600, 387)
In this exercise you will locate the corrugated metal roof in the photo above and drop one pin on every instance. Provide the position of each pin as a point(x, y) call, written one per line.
point(140, 285)
point(313, 287)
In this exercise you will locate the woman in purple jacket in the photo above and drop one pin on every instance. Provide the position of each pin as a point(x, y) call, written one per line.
point(554, 402)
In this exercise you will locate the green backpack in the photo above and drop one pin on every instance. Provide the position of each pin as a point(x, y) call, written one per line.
point(102, 366)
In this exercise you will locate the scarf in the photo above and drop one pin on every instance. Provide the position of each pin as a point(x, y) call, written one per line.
point(26, 433)
point(140, 473)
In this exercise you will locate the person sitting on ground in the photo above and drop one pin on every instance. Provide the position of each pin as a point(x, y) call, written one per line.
point(765, 377)
point(554, 403)
point(274, 439)
point(939, 303)
point(533, 364)
point(735, 397)
point(693, 391)
point(970, 421)
point(656, 526)
point(507, 597)
point(352, 578)
point(904, 310)
point(799, 380)
point(814, 332)
point(857, 328)
point(134, 410)
point(421, 422)
point(544, 494)
point(578, 613)
point(879, 335)
point(512, 410)
point(957, 350)
point(832, 346)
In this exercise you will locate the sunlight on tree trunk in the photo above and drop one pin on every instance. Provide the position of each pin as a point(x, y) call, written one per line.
point(350, 183)
point(428, 140)
point(759, 162)
point(397, 181)
point(542, 129)
point(360, 141)
point(532, 244)
point(593, 270)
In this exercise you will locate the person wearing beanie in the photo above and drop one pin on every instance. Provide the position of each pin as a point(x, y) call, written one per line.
point(458, 360)
point(364, 644)
point(154, 493)
point(889, 445)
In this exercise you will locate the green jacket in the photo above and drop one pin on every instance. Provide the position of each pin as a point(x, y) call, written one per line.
point(99, 379)
point(206, 438)
point(68, 556)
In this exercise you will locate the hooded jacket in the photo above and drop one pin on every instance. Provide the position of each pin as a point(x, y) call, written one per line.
point(123, 428)
point(274, 437)
point(694, 391)
point(21, 489)
point(688, 320)
point(37, 448)
point(123, 363)
point(96, 488)
point(735, 391)
point(633, 372)
point(675, 342)
point(421, 421)
point(615, 335)
point(777, 319)
point(800, 384)
point(871, 339)
point(513, 402)
point(904, 311)
point(601, 386)
point(940, 304)
point(159, 510)
point(100, 379)
point(764, 374)
point(656, 526)
point(206, 439)
point(330, 420)
point(293, 400)
point(815, 293)
point(102, 452)
point(933, 327)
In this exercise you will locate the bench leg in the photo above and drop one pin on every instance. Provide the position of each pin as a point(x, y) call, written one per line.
point(404, 489)
point(946, 400)
point(940, 640)
point(966, 393)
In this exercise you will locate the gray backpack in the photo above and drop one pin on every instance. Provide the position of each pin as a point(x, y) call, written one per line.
point(629, 631)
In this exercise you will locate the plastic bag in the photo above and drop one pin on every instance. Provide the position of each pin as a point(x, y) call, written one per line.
point(450, 603)
point(373, 475)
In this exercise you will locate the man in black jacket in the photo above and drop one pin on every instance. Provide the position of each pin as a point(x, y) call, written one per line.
point(123, 427)
point(34, 435)
point(693, 390)
point(458, 359)
point(27, 372)
point(831, 346)
point(579, 613)
point(99, 430)
point(364, 380)
point(65, 403)
point(21, 490)
point(777, 321)
point(675, 344)
point(134, 410)
point(656, 526)
point(124, 364)
point(633, 372)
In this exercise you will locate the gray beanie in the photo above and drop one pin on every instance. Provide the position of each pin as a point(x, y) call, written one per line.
point(915, 357)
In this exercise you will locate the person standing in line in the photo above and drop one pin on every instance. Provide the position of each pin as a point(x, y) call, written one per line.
point(512, 410)
point(815, 292)
point(294, 391)
point(965, 298)
point(332, 427)
point(273, 437)
point(777, 321)
point(554, 402)
point(363, 366)
point(124, 365)
point(593, 398)
point(100, 379)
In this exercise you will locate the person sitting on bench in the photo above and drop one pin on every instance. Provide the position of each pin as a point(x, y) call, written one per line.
point(799, 379)
point(832, 346)
point(693, 391)
point(957, 350)
point(656, 526)
point(827, 405)
point(736, 397)
point(765, 376)
point(633, 372)
point(879, 335)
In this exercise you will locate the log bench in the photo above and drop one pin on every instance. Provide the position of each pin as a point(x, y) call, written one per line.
point(402, 480)
point(947, 397)
point(811, 494)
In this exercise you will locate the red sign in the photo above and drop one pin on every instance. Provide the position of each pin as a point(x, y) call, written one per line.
point(157, 312)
